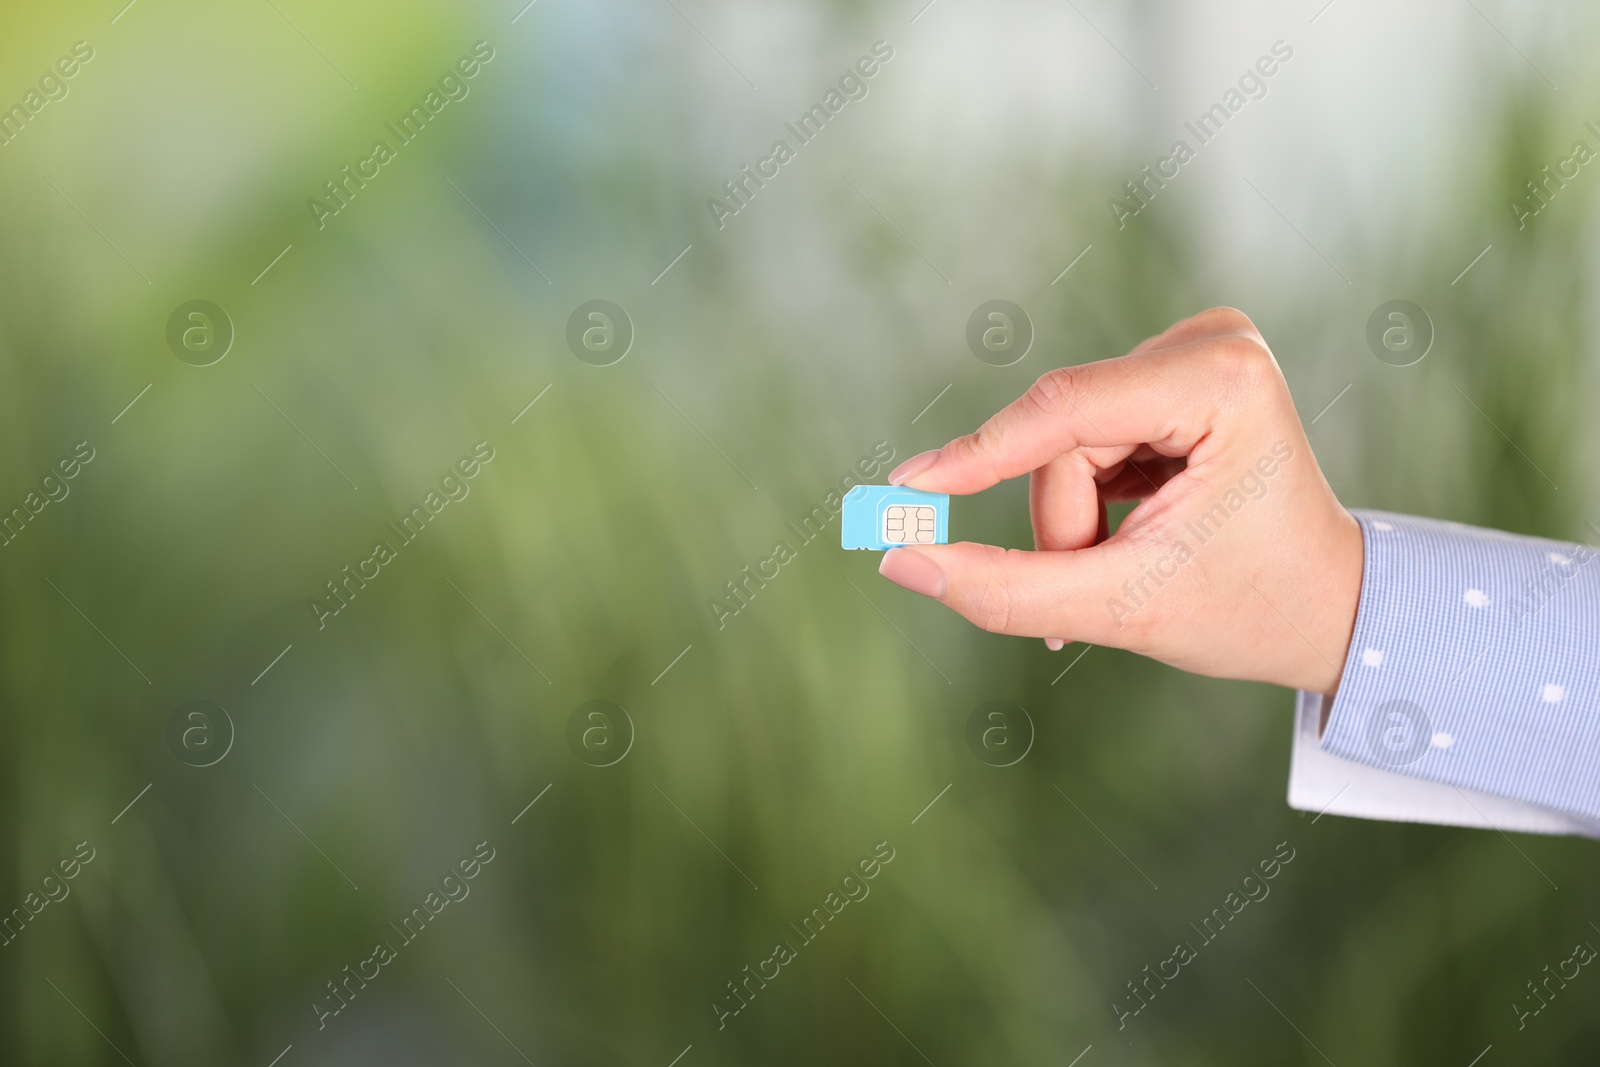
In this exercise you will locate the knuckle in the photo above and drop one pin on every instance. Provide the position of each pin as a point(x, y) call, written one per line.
point(1054, 391)
point(1053, 396)
point(977, 448)
point(1245, 360)
point(1227, 320)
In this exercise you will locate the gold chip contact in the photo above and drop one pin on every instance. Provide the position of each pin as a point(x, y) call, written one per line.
point(909, 525)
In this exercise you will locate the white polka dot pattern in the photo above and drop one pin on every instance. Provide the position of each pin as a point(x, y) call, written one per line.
point(1496, 639)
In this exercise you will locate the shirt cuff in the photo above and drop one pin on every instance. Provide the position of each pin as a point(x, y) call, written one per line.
point(1471, 693)
point(1329, 785)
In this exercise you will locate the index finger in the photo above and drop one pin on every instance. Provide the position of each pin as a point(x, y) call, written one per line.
point(1167, 397)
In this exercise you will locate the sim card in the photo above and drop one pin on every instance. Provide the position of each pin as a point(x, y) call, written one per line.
point(881, 517)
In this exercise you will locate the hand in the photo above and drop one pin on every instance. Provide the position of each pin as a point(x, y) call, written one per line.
point(1238, 562)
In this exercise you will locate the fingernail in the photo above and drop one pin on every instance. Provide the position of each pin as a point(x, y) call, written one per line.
point(1054, 644)
point(913, 467)
point(914, 571)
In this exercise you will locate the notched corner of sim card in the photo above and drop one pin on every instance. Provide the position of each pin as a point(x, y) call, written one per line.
point(880, 517)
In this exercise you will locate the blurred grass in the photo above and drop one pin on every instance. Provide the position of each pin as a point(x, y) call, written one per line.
point(797, 737)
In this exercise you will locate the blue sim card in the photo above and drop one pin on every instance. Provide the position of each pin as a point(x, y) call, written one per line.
point(881, 517)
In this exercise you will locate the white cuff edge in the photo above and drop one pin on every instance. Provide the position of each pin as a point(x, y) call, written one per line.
point(1329, 785)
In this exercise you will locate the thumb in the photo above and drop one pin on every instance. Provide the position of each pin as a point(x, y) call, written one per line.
point(1073, 595)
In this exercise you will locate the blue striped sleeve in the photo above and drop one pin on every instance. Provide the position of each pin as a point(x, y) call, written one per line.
point(1475, 663)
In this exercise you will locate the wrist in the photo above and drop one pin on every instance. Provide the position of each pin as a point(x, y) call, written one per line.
point(1335, 601)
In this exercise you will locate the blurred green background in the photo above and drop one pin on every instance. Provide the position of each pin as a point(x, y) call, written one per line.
point(349, 775)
